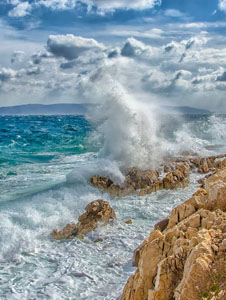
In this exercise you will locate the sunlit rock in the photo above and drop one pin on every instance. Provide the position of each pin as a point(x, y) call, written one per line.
point(97, 212)
point(185, 257)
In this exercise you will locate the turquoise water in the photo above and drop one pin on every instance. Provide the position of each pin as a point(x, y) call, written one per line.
point(45, 163)
point(33, 147)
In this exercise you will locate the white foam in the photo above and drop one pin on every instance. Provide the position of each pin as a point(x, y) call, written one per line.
point(103, 167)
point(34, 266)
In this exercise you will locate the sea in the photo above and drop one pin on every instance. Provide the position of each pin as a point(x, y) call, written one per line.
point(45, 164)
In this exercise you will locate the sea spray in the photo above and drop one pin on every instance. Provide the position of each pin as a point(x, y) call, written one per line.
point(103, 167)
point(126, 126)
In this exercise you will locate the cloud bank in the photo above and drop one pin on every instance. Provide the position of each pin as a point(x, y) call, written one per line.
point(111, 5)
point(71, 68)
point(23, 8)
point(70, 46)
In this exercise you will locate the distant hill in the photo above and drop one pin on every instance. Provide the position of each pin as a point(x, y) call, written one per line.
point(48, 109)
point(186, 110)
point(81, 109)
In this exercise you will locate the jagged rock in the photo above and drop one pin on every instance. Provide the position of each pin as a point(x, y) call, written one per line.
point(135, 179)
point(183, 259)
point(220, 164)
point(136, 254)
point(129, 222)
point(98, 211)
point(162, 224)
point(145, 182)
point(208, 164)
point(141, 179)
point(70, 231)
point(178, 178)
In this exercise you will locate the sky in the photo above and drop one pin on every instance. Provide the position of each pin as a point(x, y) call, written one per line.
point(171, 52)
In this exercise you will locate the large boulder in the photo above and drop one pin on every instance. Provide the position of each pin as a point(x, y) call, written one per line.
point(97, 212)
point(186, 260)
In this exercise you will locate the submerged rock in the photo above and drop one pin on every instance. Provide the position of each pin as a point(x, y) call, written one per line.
point(98, 211)
point(185, 257)
point(99, 240)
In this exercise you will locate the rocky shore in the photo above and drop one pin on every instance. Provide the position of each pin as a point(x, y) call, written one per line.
point(174, 173)
point(184, 258)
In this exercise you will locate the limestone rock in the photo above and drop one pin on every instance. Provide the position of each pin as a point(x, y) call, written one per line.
point(98, 211)
point(210, 163)
point(145, 182)
point(178, 178)
point(135, 179)
point(186, 255)
point(161, 225)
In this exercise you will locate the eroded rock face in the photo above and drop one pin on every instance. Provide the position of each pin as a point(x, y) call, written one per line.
point(98, 211)
point(209, 164)
point(135, 179)
point(145, 182)
point(188, 255)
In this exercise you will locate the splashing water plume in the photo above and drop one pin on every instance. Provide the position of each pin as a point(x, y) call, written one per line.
point(126, 126)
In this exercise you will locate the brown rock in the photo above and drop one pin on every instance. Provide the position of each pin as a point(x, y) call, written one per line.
point(183, 260)
point(162, 224)
point(145, 182)
point(98, 211)
point(98, 240)
point(129, 222)
point(178, 178)
point(137, 251)
point(70, 231)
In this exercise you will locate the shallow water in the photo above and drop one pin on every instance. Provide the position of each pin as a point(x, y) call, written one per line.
point(44, 186)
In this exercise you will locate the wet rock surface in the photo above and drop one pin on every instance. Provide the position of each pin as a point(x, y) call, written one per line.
point(171, 175)
point(97, 212)
point(145, 182)
point(184, 258)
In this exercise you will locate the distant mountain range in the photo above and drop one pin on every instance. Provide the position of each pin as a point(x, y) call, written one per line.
point(81, 109)
point(47, 109)
point(186, 110)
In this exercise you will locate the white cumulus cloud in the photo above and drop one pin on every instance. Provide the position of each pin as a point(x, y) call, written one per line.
point(174, 13)
point(183, 71)
point(70, 46)
point(6, 74)
point(111, 5)
point(222, 5)
point(58, 4)
point(20, 10)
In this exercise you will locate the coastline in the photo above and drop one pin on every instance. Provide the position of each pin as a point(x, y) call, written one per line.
point(186, 258)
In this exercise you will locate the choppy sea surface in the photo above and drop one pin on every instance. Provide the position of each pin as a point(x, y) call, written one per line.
point(45, 162)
